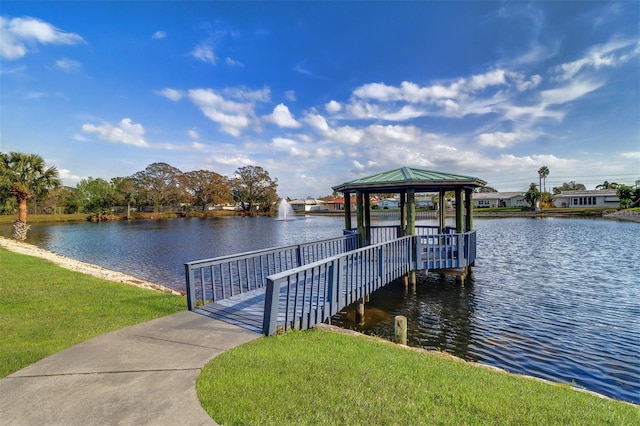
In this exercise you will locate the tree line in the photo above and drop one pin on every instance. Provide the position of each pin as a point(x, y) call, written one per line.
point(25, 181)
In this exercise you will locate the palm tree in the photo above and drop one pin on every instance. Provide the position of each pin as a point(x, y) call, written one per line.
point(532, 195)
point(543, 172)
point(24, 176)
point(607, 185)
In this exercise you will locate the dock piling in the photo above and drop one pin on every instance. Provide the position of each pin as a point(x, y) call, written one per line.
point(400, 329)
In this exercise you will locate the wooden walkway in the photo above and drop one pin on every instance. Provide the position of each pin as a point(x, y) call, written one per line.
point(296, 287)
point(245, 310)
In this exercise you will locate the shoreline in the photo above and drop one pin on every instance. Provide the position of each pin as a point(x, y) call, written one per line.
point(82, 267)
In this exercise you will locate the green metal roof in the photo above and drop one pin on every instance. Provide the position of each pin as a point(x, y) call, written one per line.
point(409, 178)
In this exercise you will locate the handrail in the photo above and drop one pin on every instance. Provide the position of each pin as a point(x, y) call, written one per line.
point(214, 279)
point(304, 296)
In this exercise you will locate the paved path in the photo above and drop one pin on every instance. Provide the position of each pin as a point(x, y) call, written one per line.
point(140, 375)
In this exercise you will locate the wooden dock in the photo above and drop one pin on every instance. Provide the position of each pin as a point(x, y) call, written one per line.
point(296, 287)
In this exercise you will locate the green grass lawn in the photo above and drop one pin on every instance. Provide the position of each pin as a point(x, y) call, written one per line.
point(45, 308)
point(324, 378)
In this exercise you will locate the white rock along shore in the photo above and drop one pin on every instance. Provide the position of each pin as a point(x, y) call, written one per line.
point(78, 266)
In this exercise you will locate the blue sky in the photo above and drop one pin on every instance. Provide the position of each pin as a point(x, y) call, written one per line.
point(319, 93)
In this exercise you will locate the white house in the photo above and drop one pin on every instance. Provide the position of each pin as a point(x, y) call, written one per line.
point(389, 203)
point(424, 203)
point(499, 199)
point(309, 205)
point(587, 198)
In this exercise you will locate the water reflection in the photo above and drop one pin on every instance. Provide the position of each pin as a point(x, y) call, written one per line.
point(440, 309)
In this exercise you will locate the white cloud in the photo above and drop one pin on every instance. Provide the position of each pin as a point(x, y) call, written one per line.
point(576, 89)
point(67, 64)
point(290, 95)
point(197, 146)
point(124, 132)
point(193, 134)
point(159, 35)
point(491, 78)
point(379, 92)
point(497, 139)
point(610, 54)
point(523, 84)
point(283, 143)
point(282, 117)
point(17, 33)
point(247, 95)
point(358, 165)
point(174, 95)
point(204, 53)
point(631, 155)
point(316, 121)
point(233, 63)
point(332, 107)
point(233, 116)
point(347, 135)
point(238, 160)
point(67, 176)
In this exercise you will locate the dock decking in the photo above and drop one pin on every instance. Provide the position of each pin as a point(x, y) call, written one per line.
point(296, 287)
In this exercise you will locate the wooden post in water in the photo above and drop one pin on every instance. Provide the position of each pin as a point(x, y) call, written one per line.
point(360, 312)
point(400, 329)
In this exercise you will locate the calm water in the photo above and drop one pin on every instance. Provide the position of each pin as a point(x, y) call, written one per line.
point(552, 298)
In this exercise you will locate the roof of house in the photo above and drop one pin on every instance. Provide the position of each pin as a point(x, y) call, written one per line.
point(590, 192)
point(496, 195)
point(410, 178)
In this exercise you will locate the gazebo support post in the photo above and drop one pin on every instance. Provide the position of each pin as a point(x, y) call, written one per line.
point(367, 218)
point(411, 212)
point(403, 214)
point(442, 211)
point(459, 211)
point(360, 218)
point(469, 209)
point(347, 210)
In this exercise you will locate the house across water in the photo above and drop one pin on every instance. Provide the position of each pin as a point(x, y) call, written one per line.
point(499, 199)
point(587, 198)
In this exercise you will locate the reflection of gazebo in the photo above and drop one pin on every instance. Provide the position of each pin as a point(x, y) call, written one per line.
point(407, 182)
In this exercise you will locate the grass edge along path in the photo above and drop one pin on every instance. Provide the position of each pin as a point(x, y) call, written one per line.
point(45, 308)
point(322, 377)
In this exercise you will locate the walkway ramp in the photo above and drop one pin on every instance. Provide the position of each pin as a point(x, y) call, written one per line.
point(295, 287)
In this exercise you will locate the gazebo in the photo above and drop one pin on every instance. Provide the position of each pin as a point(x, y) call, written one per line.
point(406, 182)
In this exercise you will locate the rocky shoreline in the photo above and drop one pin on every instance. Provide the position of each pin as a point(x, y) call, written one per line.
point(78, 266)
point(626, 215)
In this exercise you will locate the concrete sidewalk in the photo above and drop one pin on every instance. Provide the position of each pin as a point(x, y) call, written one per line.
point(141, 375)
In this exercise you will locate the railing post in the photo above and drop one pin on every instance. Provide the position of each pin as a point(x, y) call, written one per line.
point(333, 286)
point(191, 288)
point(381, 257)
point(299, 255)
point(417, 251)
point(271, 304)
